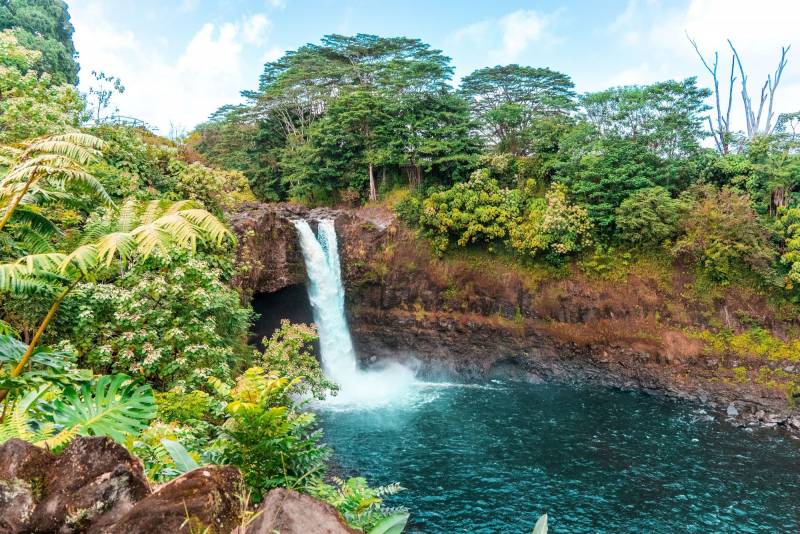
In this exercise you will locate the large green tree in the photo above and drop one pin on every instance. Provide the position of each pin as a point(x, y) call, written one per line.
point(510, 101)
point(666, 117)
point(327, 117)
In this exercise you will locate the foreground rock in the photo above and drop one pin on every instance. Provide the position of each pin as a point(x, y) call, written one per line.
point(95, 485)
point(289, 512)
point(206, 498)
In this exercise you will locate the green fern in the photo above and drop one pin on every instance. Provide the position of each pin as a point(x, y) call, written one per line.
point(19, 424)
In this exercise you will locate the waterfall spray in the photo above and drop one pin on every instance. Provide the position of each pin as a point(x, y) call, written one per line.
point(326, 293)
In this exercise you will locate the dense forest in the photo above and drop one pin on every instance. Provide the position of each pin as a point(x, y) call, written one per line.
point(514, 159)
point(118, 313)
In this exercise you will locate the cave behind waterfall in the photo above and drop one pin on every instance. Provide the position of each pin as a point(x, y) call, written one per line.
point(290, 302)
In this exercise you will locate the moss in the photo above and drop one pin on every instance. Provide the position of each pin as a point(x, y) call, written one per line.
point(739, 374)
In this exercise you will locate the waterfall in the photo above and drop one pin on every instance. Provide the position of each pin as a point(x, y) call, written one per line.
point(326, 293)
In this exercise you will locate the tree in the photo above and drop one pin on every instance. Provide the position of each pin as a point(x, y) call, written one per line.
point(31, 104)
point(49, 161)
point(666, 117)
point(602, 171)
point(507, 101)
point(431, 133)
point(323, 117)
point(649, 216)
point(102, 92)
point(44, 25)
point(723, 235)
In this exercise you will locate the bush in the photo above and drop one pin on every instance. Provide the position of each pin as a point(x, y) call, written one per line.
point(287, 353)
point(470, 212)
point(273, 443)
point(170, 320)
point(552, 226)
point(216, 189)
point(724, 235)
point(649, 217)
point(789, 224)
point(176, 405)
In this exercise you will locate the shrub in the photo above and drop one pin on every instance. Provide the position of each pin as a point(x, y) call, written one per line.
point(552, 226)
point(789, 224)
point(648, 216)
point(273, 443)
point(474, 211)
point(179, 406)
point(287, 353)
point(216, 189)
point(170, 320)
point(724, 235)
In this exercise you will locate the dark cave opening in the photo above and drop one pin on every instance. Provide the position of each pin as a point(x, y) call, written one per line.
point(290, 302)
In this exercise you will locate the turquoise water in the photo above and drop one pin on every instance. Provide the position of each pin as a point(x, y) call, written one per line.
point(492, 458)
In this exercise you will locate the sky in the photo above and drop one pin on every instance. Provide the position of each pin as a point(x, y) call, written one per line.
point(179, 60)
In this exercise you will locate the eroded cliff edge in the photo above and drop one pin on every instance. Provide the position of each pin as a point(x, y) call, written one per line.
point(481, 316)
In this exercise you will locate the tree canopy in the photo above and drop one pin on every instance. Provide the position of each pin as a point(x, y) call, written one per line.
point(44, 26)
point(508, 100)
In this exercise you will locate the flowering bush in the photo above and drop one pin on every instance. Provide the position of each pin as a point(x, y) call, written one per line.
point(552, 226)
point(471, 212)
point(173, 322)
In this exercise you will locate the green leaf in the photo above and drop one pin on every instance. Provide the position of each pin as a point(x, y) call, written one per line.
point(541, 525)
point(393, 524)
point(114, 407)
point(12, 349)
point(183, 462)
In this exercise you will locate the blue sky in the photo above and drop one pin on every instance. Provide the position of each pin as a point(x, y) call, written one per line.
point(181, 59)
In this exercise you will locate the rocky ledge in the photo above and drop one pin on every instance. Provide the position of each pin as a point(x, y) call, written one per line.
point(96, 486)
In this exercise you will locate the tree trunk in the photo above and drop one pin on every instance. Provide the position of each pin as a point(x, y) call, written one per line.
point(373, 191)
point(39, 331)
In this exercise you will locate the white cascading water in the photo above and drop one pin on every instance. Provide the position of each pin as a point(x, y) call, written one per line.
point(326, 293)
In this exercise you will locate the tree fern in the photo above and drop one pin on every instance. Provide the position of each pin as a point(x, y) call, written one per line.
point(57, 159)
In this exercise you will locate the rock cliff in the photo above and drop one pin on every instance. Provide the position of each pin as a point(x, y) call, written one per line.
point(478, 316)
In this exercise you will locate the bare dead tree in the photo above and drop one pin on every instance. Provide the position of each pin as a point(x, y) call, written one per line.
point(767, 95)
point(722, 131)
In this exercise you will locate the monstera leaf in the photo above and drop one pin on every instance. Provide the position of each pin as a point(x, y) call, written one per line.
point(112, 406)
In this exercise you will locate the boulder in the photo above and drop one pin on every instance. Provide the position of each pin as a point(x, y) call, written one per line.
point(207, 499)
point(91, 483)
point(22, 475)
point(289, 512)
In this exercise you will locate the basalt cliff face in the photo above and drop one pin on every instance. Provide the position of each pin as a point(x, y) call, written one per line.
point(480, 316)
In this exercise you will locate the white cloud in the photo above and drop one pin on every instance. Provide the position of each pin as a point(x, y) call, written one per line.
point(520, 29)
point(506, 38)
point(163, 90)
point(256, 29)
